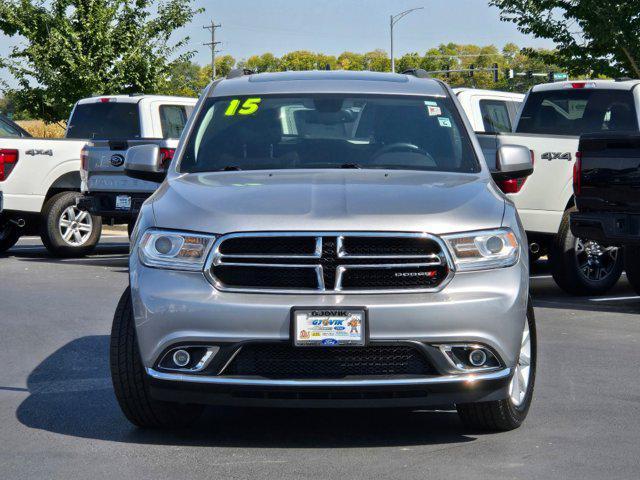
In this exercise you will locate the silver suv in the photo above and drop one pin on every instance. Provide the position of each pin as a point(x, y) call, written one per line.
point(327, 239)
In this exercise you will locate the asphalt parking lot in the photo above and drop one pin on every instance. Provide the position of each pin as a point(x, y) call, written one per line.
point(59, 417)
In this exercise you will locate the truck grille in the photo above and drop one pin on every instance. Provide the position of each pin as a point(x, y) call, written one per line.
point(281, 360)
point(321, 262)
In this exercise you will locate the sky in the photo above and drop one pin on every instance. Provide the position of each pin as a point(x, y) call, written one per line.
point(333, 26)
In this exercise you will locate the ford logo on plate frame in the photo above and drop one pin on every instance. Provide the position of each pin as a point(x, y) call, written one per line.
point(117, 160)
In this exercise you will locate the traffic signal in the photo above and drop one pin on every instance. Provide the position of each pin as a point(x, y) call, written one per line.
point(472, 69)
point(510, 74)
point(496, 76)
point(447, 73)
point(552, 77)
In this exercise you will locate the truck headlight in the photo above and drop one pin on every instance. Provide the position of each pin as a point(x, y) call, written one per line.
point(174, 250)
point(484, 249)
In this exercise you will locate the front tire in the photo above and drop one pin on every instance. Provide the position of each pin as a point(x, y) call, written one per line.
point(130, 380)
point(508, 414)
point(67, 231)
point(583, 267)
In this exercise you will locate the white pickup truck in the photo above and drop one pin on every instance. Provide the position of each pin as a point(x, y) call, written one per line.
point(550, 123)
point(41, 188)
point(490, 111)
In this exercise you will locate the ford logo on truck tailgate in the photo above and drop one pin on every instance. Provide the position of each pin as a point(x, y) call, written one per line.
point(117, 160)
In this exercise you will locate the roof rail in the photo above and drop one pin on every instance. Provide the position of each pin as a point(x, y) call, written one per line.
point(239, 72)
point(624, 79)
point(417, 72)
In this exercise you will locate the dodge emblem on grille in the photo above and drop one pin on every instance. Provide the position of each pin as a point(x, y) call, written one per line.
point(413, 274)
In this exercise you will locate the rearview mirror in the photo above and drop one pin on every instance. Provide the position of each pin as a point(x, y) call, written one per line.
point(144, 163)
point(512, 161)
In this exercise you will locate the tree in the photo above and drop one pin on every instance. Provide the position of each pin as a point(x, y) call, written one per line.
point(184, 78)
point(78, 48)
point(377, 61)
point(409, 61)
point(597, 37)
point(350, 61)
point(224, 64)
point(299, 60)
point(267, 62)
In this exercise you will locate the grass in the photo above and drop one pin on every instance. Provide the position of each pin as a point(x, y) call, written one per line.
point(40, 129)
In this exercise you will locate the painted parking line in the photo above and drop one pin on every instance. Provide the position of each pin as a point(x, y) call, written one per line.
point(614, 299)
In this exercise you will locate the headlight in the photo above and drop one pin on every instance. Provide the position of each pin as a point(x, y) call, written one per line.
point(484, 249)
point(174, 250)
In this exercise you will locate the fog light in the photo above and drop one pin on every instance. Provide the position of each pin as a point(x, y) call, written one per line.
point(181, 358)
point(477, 358)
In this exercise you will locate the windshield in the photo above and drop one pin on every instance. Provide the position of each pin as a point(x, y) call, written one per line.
point(329, 131)
point(578, 111)
point(104, 121)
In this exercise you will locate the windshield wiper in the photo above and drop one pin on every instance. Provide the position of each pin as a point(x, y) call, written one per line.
point(350, 165)
point(230, 168)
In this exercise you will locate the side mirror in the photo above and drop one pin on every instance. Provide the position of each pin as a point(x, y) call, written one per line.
point(144, 163)
point(512, 161)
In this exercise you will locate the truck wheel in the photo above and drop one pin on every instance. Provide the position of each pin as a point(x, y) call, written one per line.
point(632, 266)
point(507, 414)
point(130, 380)
point(67, 231)
point(583, 267)
point(9, 236)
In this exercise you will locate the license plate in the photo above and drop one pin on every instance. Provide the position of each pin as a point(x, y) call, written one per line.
point(123, 202)
point(328, 327)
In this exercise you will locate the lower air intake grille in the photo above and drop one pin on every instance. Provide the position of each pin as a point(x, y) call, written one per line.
point(285, 361)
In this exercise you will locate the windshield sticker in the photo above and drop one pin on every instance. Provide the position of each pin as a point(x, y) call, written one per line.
point(444, 122)
point(249, 106)
point(434, 111)
point(429, 103)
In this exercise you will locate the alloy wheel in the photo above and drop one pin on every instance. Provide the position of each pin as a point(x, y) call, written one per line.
point(595, 262)
point(522, 374)
point(75, 226)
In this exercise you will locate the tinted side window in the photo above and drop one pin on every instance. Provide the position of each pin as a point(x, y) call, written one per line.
point(172, 119)
point(495, 116)
point(578, 111)
point(104, 121)
point(6, 130)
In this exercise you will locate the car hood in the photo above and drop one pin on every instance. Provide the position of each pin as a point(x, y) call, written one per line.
point(328, 200)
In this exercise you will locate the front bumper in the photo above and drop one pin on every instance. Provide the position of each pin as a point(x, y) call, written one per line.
point(607, 228)
point(175, 308)
point(443, 390)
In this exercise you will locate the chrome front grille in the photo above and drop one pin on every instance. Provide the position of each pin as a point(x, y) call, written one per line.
point(329, 262)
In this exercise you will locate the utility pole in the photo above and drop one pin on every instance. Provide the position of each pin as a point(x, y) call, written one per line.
point(393, 19)
point(213, 44)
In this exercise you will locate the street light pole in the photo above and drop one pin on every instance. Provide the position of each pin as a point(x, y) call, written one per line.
point(392, 21)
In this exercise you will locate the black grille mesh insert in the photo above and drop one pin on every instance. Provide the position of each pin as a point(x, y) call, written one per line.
point(389, 246)
point(293, 278)
point(280, 360)
point(400, 278)
point(269, 246)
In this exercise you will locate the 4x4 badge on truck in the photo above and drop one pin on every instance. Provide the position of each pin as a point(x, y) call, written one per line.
point(33, 153)
point(556, 156)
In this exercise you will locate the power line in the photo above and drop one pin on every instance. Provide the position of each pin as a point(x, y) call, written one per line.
point(213, 44)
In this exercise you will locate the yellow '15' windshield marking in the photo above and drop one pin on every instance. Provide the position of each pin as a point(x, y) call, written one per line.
point(249, 106)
